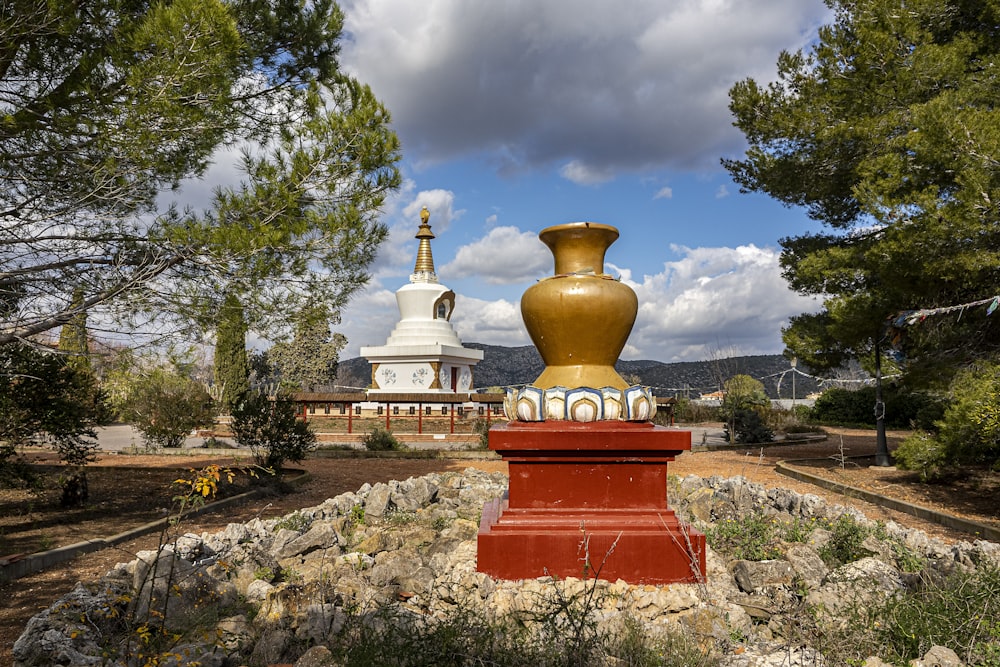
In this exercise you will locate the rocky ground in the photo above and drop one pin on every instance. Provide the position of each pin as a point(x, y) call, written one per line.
point(331, 477)
point(394, 557)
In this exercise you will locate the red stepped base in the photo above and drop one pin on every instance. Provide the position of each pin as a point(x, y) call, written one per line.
point(588, 499)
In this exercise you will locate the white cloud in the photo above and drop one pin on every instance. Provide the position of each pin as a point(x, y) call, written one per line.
point(368, 319)
point(707, 302)
point(664, 193)
point(721, 192)
point(584, 174)
point(402, 213)
point(439, 204)
point(504, 256)
point(493, 322)
point(714, 298)
point(606, 85)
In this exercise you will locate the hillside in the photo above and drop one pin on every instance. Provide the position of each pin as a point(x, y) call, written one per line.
point(504, 366)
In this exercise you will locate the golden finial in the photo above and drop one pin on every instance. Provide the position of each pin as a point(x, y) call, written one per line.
point(425, 260)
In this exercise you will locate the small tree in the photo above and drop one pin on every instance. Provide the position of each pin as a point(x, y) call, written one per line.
point(742, 408)
point(165, 406)
point(46, 399)
point(269, 426)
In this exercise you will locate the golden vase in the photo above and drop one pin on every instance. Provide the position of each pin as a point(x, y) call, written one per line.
point(579, 318)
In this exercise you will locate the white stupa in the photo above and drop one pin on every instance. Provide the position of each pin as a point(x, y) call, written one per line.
point(423, 354)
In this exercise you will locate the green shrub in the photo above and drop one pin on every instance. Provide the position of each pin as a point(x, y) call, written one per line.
point(856, 407)
point(692, 412)
point(923, 453)
point(380, 439)
point(481, 427)
point(561, 630)
point(635, 646)
point(842, 406)
point(798, 419)
point(968, 431)
point(745, 410)
point(270, 428)
point(296, 521)
point(165, 405)
point(970, 427)
point(749, 426)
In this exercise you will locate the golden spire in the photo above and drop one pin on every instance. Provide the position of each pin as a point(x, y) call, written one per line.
point(424, 267)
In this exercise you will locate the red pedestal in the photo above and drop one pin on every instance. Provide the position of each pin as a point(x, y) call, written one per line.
point(588, 500)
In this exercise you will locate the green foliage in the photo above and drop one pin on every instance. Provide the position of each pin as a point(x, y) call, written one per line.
point(545, 635)
point(107, 110)
point(844, 545)
point(296, 521)
point(45, 398)
point(903, 408)
point(743, 391)
point(380, 439)
point(757, 536)
point(962, 613)
point(357, 515)
point(232, 368)
point(165, 405)
point(481, 427)
point(269, 426)
point(73, 335)
point(749, 426)
point(846, 407)
point(967, 433)
point(798, 419)
point(752, 536)
point(636, 646)
point(970, 428)
point(923, 453)
point(692, 412)
point(959, 611)
point(309, 361)
point(744, 410)
point(886, 132)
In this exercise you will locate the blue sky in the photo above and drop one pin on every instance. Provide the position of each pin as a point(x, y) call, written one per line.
point(518, 115)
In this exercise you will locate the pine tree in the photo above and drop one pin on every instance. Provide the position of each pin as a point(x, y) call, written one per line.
point(887, 131)
point(107, 107)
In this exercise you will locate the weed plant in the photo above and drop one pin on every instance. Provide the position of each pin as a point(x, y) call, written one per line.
point(845, 542)
point(296, 521)
point(379, 439)
point(961, 612)
point(752, 536)
point(756, 536)
point(548, 636)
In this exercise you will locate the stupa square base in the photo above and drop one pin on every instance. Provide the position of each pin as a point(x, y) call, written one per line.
point(637, 546)
point(588, 499)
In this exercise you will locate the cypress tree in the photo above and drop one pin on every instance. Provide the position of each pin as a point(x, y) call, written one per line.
point(232, 371)
point(73, 336)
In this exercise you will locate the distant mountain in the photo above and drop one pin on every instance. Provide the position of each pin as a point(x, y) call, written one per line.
point(504, 366)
